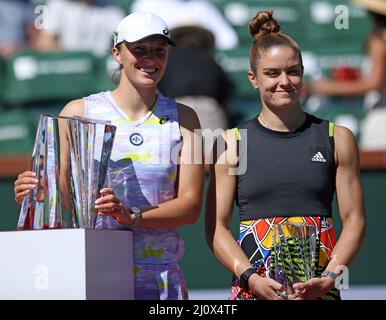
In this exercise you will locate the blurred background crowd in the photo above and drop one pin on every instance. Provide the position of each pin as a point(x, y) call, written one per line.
point(52, 51)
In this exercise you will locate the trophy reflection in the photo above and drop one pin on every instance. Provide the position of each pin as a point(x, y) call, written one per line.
point(293, 255)
point(70, 160)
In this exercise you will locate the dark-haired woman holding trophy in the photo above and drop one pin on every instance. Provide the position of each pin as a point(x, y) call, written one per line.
point(293, 164)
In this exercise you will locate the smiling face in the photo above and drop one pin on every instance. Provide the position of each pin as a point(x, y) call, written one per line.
point(143, 61)
point(278, 77)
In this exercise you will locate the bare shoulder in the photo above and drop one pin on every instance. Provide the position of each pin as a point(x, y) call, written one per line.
point(343, 135)
point(345, 144)
point(73, 108)
point(226, 148)
point(188, 117)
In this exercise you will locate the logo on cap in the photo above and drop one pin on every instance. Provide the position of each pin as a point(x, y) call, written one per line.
point(166, 31)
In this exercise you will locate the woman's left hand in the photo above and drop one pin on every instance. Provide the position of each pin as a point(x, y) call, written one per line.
point(109, 205)
point(313, 288)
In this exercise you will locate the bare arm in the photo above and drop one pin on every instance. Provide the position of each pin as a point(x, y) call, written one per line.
point(375, 80)
point(185, 208)
point(350, 200)
point(219, 207)
point(351, 209)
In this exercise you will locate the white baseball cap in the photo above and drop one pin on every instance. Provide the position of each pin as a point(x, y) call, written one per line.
point(139, 25)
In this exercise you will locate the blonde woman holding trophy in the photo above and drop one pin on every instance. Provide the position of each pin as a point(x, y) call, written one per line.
point(155, 182)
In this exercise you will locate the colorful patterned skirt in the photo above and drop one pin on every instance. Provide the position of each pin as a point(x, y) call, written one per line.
point(256, 241)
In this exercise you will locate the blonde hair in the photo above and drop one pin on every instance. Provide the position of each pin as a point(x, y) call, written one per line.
point(265, 31)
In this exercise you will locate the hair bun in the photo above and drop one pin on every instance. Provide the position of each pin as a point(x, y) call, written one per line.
point(262, 23)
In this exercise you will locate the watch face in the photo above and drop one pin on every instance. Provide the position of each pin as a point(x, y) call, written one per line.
point(135, 210)
point(138, 214)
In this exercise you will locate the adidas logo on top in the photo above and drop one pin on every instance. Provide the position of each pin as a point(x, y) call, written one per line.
point(318, 157)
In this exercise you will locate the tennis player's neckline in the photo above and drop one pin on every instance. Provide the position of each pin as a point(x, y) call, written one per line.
point(127, 118)
point(282, 134)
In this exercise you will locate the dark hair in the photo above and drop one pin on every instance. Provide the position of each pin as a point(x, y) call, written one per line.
point(193, 37)
point(379, 21)
point(265, 31)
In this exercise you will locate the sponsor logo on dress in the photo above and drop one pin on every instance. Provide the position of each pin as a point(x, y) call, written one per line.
point(136, 139)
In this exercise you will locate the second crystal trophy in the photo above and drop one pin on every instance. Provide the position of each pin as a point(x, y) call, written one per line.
point(293, 255)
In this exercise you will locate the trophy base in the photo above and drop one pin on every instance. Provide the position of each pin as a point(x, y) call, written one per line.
point(67, 264)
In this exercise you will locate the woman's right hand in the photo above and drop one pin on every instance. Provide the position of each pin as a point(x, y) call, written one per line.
point(265, 288)
point(24, 184)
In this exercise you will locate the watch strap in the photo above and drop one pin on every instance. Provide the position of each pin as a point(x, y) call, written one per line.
point(243, 281)
point(330, 274)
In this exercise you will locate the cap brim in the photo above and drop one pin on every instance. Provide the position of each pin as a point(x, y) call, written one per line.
point(170, 41)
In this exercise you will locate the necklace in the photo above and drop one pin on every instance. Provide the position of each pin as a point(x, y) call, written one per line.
point(297, 124)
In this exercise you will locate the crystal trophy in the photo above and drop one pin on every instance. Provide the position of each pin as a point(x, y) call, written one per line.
point(70, 159)
point(293, 255)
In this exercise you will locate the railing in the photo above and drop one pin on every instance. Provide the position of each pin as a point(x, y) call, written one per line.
point(373, 160)
point(12, 165)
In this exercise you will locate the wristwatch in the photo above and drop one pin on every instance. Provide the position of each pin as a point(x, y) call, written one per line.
point(243, 283)
point(330, 274)
point(138, 215)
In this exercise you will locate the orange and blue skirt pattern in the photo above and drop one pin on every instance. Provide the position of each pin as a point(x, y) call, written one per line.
point(256, 241)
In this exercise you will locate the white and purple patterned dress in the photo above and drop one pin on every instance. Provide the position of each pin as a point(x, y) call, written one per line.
point(142, 174)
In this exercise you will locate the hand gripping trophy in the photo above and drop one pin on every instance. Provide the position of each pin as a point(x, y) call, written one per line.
point(68, 183)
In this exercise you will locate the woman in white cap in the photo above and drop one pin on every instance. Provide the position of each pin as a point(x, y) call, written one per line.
point(155, 180)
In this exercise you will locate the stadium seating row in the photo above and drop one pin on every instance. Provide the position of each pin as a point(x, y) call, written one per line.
point(29, 81)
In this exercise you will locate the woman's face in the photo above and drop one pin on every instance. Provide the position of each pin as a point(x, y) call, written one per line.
point(279, 76)
point(144, 61)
